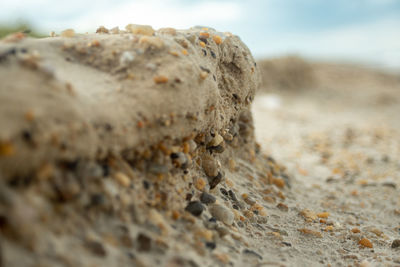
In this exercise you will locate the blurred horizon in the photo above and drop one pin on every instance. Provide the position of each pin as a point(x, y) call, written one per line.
point(359, 31)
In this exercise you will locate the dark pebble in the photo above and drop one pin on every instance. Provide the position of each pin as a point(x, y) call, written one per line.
point(213, 54)
point(251, 252)
point(144, 242)
point(96, 248)
point(195, 208)
point(212, 219)
point(211, 245)
point(287, 244)
point(223, 191)
point(207, 198)
point(396, 243)
point(232, 196)
point(216, 180)
point(204, 52)
point(217, 149)
point(146, 185)
point(189, 196)
point(203, 39)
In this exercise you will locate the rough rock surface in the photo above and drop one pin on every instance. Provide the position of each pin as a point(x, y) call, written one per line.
point(102, 140)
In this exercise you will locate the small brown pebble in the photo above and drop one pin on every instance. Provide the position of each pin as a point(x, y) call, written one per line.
point(323, 215)
point(355, 230)
point(203, 75)
point(278, 182)
point(122, 179)
point(160, 79)
point(175, 215)
point(140, 29)
point(217, 39)
point(6, 149)
point(102, 29)
point(365, 243)
point(200, 183)
point(329, 228)
point(68, 33)
point(94, 43)
point(96, 248)
point(308, 215)
point(396, 243)
point(282, 207)
point(144, 242)
point(174, 53)
point(29, 115)
point(310, 232)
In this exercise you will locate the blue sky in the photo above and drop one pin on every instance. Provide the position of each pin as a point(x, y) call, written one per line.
point(352, 30)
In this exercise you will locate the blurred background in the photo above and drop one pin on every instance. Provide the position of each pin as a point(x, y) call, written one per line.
point(358, 31)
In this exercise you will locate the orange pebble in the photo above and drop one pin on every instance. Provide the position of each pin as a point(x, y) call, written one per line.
point(200, 184)
point(202, 44)
point(6, 148)
point(217, 39)
point(355, 230)
point(365, 243)
point(204, 34)
point(323, 215)
point(29, 115)
point(278, 182)
point(185, 52)
point(160, 79)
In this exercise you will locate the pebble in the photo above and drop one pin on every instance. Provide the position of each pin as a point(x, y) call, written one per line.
point(282, 207)
point(122, 179)
point(102, 29)
point(195, 208)
point(140, 29)
point(216, 141)
point(96, 248)
point(216, 180)
point(211, 245)
point(68, 33)
point(210, 166)
point(253, 253)
point(160, 79)
point(144, 242)
point(207, 198)
point(365, 243)
point(396, 243)
point(222, 214)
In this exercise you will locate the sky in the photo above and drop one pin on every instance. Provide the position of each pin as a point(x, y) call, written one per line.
point(361, 31)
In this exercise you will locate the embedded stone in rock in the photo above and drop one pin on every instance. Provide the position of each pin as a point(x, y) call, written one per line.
point(222, 214)
point(195, 208)
point(207, 198)
point(396, 243)
point(210, 166)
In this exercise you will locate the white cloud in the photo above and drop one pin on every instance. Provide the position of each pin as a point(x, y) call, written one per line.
point(376, 43)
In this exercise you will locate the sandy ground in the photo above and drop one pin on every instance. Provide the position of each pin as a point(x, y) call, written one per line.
point(340, 142)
